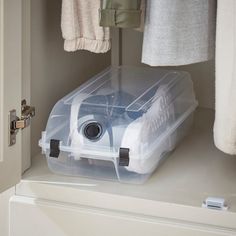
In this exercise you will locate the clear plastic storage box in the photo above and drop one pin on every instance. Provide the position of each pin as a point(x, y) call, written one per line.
point(120, 124)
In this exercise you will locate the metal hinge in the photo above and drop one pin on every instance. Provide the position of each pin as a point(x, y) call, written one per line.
point(16, 123)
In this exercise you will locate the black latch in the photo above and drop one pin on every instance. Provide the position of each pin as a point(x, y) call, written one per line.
point(54, 148)
point(124, 157)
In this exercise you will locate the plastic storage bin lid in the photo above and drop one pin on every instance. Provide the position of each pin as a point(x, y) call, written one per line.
point(121, 112)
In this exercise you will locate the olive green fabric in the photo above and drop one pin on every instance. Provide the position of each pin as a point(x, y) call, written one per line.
point(120, 13)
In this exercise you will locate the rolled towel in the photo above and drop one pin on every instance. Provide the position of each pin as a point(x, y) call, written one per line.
point(80, 27)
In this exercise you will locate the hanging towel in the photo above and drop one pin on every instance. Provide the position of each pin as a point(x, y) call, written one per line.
point(80, 26)
point(179, 32)
point(120, 13)
point(225, 119)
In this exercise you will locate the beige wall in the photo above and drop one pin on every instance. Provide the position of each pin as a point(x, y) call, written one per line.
point(54, 71)
point(202, 73)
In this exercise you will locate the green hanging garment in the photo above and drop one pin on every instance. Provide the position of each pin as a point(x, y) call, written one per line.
point(120, 13)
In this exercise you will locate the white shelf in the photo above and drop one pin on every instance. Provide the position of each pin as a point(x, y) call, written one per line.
point(193, 172)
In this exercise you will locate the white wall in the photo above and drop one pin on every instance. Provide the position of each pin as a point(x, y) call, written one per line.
point(54, 71)
point(202, 73)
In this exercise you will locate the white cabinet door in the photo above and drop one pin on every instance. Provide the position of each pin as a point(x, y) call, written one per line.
point(10, 88)
point(29, 216)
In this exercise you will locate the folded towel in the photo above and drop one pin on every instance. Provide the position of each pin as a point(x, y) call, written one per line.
point(179, 32)
point(225, 119)
point(80, 26)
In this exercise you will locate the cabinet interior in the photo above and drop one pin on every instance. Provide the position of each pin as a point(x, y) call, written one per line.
point(54, 72)
point(195, 170)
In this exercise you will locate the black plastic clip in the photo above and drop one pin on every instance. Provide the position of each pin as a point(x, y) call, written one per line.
point(124, 157)
point(54, 148)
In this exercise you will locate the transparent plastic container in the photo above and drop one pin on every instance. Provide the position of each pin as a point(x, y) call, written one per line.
point(120, 124)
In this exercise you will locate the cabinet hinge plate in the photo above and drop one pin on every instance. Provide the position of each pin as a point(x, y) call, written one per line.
point(16, 123)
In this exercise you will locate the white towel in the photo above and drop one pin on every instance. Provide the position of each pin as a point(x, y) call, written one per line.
point(179, 32)
point(80, 26)
point(225, 120)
